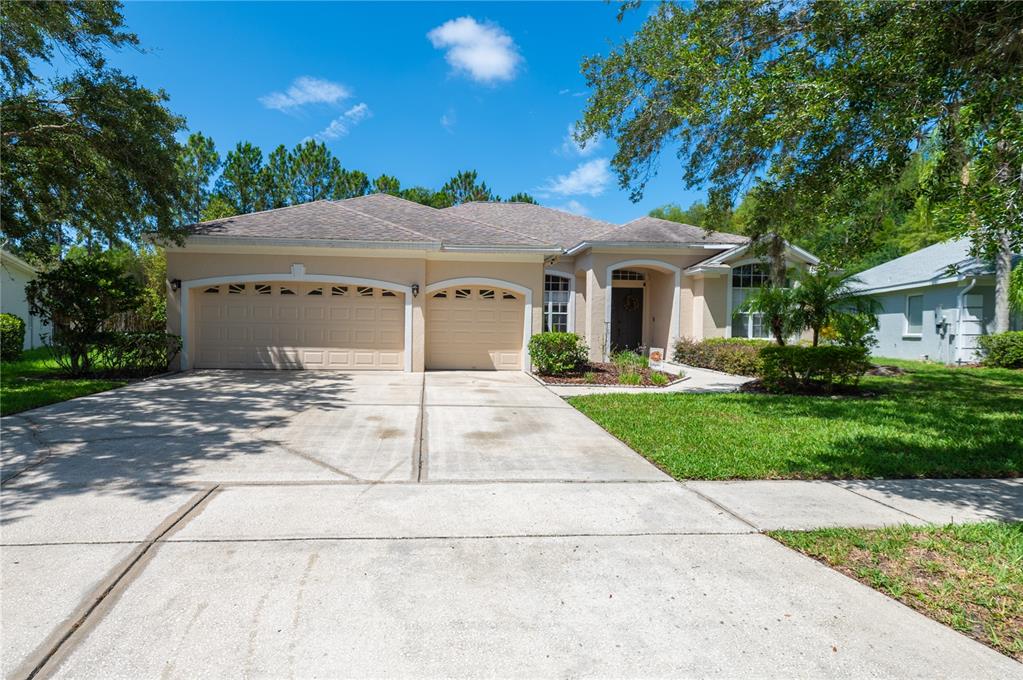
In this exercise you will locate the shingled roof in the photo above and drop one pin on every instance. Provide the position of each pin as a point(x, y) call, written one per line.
point(373, 218)
point(382, 218)
point(656, 230)
point(446, 226)
point(547, 224)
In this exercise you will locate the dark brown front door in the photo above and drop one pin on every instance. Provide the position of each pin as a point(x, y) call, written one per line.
point(626, 318)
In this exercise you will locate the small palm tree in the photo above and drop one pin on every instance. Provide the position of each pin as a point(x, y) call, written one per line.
point(778, 307)
point(822, 294)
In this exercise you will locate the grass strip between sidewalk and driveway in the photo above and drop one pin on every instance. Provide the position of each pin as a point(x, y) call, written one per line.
point(35, 380)
point(931, 421)
point(969, 577)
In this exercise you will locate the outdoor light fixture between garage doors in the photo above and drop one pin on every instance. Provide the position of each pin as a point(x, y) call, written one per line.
point(415, 290)
point(175, 284)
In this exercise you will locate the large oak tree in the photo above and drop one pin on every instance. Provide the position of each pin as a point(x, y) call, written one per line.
point(808, 105)
point(88, 157)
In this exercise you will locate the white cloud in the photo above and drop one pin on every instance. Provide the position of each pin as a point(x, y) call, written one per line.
point(570, 147)
point(574, 207)
point(306, 90)
point(483, 51)
point(342, 125)
point(590, 178)
point(448, 120)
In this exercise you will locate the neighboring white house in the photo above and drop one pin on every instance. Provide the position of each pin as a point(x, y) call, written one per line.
point(935, 303)
point(14, 274)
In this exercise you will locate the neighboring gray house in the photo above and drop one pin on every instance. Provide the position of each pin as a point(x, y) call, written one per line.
point(15, 273)
point(935, 303)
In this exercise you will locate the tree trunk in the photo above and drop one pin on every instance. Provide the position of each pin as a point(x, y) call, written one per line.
point(1003, 267)
point(776, 253)
point(816, 335)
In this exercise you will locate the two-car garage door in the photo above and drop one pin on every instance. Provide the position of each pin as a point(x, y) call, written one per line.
point(299, 325)
point(275, 324)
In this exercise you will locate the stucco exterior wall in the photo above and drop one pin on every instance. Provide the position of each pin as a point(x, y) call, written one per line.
point(656, 333)
point(13, 279)
point(892, 339)
point(188, 265)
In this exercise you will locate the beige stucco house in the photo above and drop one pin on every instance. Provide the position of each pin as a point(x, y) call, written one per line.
point(377, 282)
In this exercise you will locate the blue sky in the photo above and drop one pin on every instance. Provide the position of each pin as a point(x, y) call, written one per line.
point(416, 90)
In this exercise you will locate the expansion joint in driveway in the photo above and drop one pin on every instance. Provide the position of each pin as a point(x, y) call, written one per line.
point(51, 652)
point(419, 461)
point(723, 508)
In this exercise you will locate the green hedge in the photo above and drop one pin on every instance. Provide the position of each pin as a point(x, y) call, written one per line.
point(738, 356)
point(797, 368)
point(1002, 350)
point(557, 353)
point(12, 337)
point(137, 352)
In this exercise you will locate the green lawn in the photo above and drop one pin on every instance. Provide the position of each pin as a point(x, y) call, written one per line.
point(931, 422)
point(34, 381)
point(969, 577)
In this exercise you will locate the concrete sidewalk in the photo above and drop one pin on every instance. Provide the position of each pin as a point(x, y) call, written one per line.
point(306, 524)
point(793, 504)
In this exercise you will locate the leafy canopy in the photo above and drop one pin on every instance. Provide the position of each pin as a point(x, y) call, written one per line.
point(806, 104)
point(88, 157)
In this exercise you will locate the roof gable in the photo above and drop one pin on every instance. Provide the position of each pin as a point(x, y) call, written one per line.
point(655, 230)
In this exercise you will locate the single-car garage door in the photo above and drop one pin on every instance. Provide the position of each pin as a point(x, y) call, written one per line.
point(474, 327)
point(276, 324)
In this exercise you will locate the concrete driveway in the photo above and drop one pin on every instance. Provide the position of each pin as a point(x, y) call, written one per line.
point(229, 524)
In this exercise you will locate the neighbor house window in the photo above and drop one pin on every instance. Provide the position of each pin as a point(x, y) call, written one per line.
point(746, 281)
point(914, 314)
point(555, 303)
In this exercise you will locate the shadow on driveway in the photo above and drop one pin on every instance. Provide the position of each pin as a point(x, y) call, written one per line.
point(156, 435)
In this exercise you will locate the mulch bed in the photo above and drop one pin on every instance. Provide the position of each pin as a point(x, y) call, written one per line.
point(605, 374)
point(835, 392)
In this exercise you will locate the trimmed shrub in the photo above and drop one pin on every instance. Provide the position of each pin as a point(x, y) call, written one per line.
point(137, 352)
point(1002, 350)
point(739, 356)
point(557, 353)
point(627, 360)
point(12, 337)
point(798, 368)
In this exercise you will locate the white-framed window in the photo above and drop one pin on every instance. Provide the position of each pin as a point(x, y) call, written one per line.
point(747, 279)
point(555, 303)
point(914, 315)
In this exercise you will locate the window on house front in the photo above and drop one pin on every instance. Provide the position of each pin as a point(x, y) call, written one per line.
point(746, 281)
point(627, 275)
point(914, 314)
point(555, 303)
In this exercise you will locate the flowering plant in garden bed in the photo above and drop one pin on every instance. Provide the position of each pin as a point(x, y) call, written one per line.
point(609, 373)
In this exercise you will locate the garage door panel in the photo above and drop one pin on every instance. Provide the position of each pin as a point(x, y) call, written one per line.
point(474, 328)
point(262, 313)
point(258, 326)
point(210, 312)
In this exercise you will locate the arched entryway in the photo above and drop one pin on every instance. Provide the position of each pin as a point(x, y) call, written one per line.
point(641, 304)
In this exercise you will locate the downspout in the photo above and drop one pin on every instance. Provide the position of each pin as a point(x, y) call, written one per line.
point(960, 299)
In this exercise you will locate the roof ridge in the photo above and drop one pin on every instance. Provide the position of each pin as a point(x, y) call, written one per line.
point(490, 224)
point(337, 204)
point(444, 211)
